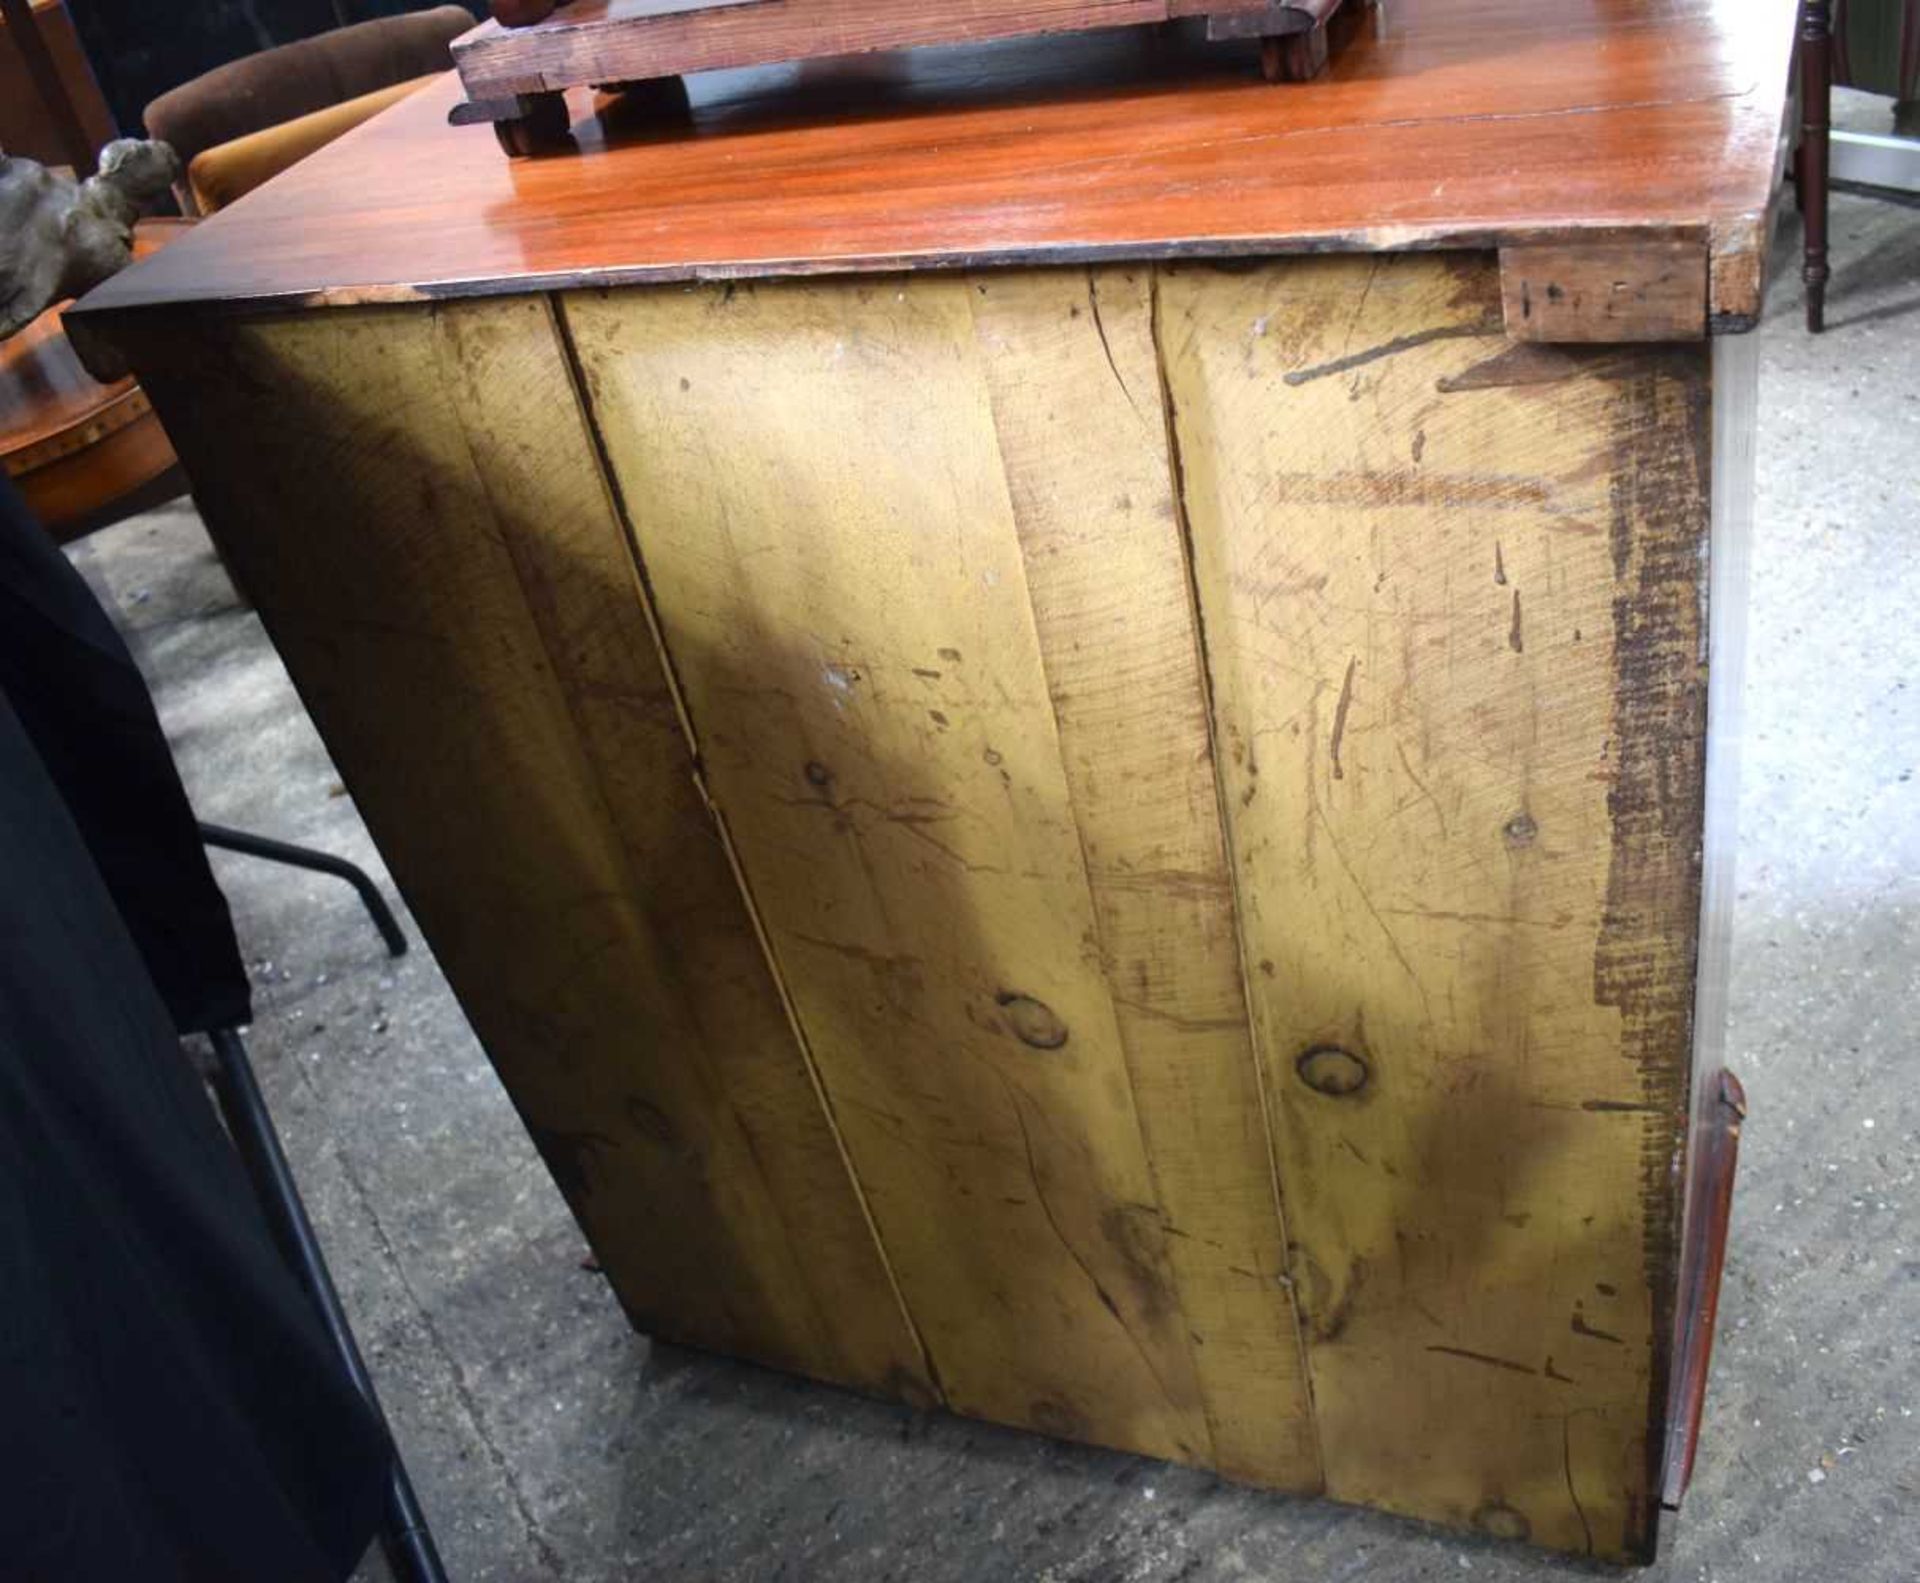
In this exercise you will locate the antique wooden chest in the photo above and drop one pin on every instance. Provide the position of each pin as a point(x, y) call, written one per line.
point(1060, 725)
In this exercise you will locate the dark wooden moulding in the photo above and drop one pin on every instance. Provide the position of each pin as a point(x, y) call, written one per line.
point(516, 68)
point(1703, 1259)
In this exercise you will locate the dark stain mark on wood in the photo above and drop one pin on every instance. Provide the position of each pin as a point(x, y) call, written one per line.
point(1644, 959)
point(651, 1121)
point(1325, 1311)
point(569, 1155)
point(1554, 1374)
point(1483, 1357)
point(1538, 363)
point(1056, 1418)
point(1135, 1233)
point(1340, 716)
point(1393, 348)
point(1499, 566)
point(1580, 1327)
point(1611, 1106)
point(1514, 638)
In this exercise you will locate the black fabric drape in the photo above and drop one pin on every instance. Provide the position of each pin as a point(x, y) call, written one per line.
point(171, 1410)
point(86, 709)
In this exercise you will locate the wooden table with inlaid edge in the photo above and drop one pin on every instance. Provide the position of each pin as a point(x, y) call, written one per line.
point(1051, 706)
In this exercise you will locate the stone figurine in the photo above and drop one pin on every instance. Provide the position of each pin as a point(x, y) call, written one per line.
point(59, 238)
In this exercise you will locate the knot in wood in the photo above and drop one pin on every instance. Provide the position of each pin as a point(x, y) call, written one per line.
point(1328, 1069)
point(1033, 1021)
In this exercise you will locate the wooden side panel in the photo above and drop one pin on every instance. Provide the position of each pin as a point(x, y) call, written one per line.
point(1450, 597)
point(412, 498)
point(1075, 388)
point(815, 480)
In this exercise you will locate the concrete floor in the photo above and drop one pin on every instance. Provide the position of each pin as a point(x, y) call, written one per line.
point(549, 1442)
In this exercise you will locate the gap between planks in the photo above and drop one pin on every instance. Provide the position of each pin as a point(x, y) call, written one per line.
point(643, 593)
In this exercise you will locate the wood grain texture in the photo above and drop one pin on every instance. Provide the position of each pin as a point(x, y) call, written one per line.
point(1461, 122)
point(853, 626)
point(1451, 601)
point(417, 511)
point(1643, 292)
point(1119, 849)
point(1075, 389)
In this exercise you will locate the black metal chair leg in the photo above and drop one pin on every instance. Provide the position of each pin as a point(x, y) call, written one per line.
point(260, 846)
point(404, 1534)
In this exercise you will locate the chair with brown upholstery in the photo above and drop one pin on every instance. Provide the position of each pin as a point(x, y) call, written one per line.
point(248, 120)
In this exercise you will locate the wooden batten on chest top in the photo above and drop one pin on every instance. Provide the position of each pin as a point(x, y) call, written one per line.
point(1067, 718)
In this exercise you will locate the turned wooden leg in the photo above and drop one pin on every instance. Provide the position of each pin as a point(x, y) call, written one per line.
point(1816, 116)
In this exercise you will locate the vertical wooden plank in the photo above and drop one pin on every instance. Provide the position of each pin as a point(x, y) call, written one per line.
point(814, 478)
point(1450, 600)
point(1075, 388)
point(411, 497)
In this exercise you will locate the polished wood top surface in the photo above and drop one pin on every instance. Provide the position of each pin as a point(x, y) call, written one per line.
point(1446, 123)
point(49, 404)
point(45, 395)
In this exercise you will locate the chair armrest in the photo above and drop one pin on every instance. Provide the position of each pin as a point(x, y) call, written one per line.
point(228, 171)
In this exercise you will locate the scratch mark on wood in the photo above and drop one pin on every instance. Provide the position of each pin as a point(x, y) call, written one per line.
point(1413, 775)
point(1399, 344)
point(1046, 1209)
point(1106, 346)
point(1482, 1357)
point(1340, 716)
point(1566, 1463)
point(1174, 1020)
point(1580, 1327)
point(856, 953)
